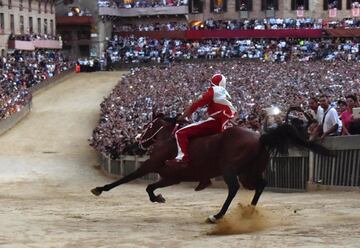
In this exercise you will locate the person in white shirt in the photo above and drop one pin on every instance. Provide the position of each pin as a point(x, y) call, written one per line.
point(331, 122)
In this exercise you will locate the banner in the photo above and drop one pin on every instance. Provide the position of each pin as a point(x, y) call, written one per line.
point(355, 12)
point(332, 12)
point(300, 13)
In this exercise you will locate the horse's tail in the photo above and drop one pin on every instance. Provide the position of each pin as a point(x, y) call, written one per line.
point(277, 140)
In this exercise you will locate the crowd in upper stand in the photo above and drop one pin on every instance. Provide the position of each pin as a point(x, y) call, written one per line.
point(140, 3)
point(143, 49)
point(241, 24)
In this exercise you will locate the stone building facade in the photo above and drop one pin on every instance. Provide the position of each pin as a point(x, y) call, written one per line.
point(25, 17)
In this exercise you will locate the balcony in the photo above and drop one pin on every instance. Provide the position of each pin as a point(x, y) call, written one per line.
point(47, 44)
point(131, 12)
point(21, 45)
point(32, 45)
point(74, 20)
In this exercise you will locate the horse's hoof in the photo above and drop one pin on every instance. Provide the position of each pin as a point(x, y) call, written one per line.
point(96, 192)
point(211, 219)
point(160, 199)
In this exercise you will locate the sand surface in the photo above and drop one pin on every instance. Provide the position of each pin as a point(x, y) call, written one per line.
point(47, 169)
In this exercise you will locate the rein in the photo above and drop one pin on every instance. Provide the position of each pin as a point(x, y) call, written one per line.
point(141, 141)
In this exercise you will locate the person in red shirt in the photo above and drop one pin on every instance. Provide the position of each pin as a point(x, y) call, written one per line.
point(220, 111)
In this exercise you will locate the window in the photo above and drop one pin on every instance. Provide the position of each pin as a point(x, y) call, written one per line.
point(52, 27)
point(243, 5)
point(21, 23)
point(218, 6)
point(269, 5)
point(45, 26)
point(30, 5)
point(331, 4)
point(12, 24)
point(31, 25)
point(39, 25)
point(46, 6)
point(352, 3)
point(9, 4)
point(196, 6)
point(21, 7)
point(2, 23)
point(39, 7)
point(299, 4)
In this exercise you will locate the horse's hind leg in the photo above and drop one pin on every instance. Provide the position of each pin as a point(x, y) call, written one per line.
point(164, 182)
point(233, 185)
point(145, 168)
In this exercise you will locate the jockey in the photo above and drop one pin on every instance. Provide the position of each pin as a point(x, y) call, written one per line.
point(220, 111)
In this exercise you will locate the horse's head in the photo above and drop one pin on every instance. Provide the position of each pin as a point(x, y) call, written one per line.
point(153, 130)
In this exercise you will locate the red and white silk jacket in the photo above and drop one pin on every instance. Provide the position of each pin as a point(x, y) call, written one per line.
point(219, 107)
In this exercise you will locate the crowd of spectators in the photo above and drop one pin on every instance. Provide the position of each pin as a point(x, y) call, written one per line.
point(143, 50)
point(140, 3)
point(253, 85)
point(241, 24)
point(32, 37)
point(148, 27)
point(19, 71)
point(278, 23)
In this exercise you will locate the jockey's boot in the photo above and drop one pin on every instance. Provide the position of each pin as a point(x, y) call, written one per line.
point(203, 184)
point(177, 163)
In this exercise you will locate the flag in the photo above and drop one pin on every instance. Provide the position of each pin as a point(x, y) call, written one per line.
point(355, 11)
point(300, 12)
point(332, 12)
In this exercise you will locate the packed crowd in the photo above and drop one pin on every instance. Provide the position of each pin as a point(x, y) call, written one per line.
point(20, 71)
point(241, 24)
point(31, 37)
point(143, 50)
point(140, 3)
point(253, 85)
point(278, 23)
point(148, 27)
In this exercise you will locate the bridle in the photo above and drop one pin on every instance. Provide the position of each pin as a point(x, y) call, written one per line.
point(147, 127)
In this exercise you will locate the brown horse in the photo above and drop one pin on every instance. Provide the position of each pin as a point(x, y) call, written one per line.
point(237, 154)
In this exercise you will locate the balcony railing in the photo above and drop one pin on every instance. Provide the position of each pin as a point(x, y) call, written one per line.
point(123, 12)
point(48, 44)
point(74, 20)
point(32, 45)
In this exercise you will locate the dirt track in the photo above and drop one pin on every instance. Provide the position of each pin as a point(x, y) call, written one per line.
point(47, 170)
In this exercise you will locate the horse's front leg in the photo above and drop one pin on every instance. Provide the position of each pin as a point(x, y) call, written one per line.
point(233, 185)
point(147, 167)
point(164, 182)
point(260, 185)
